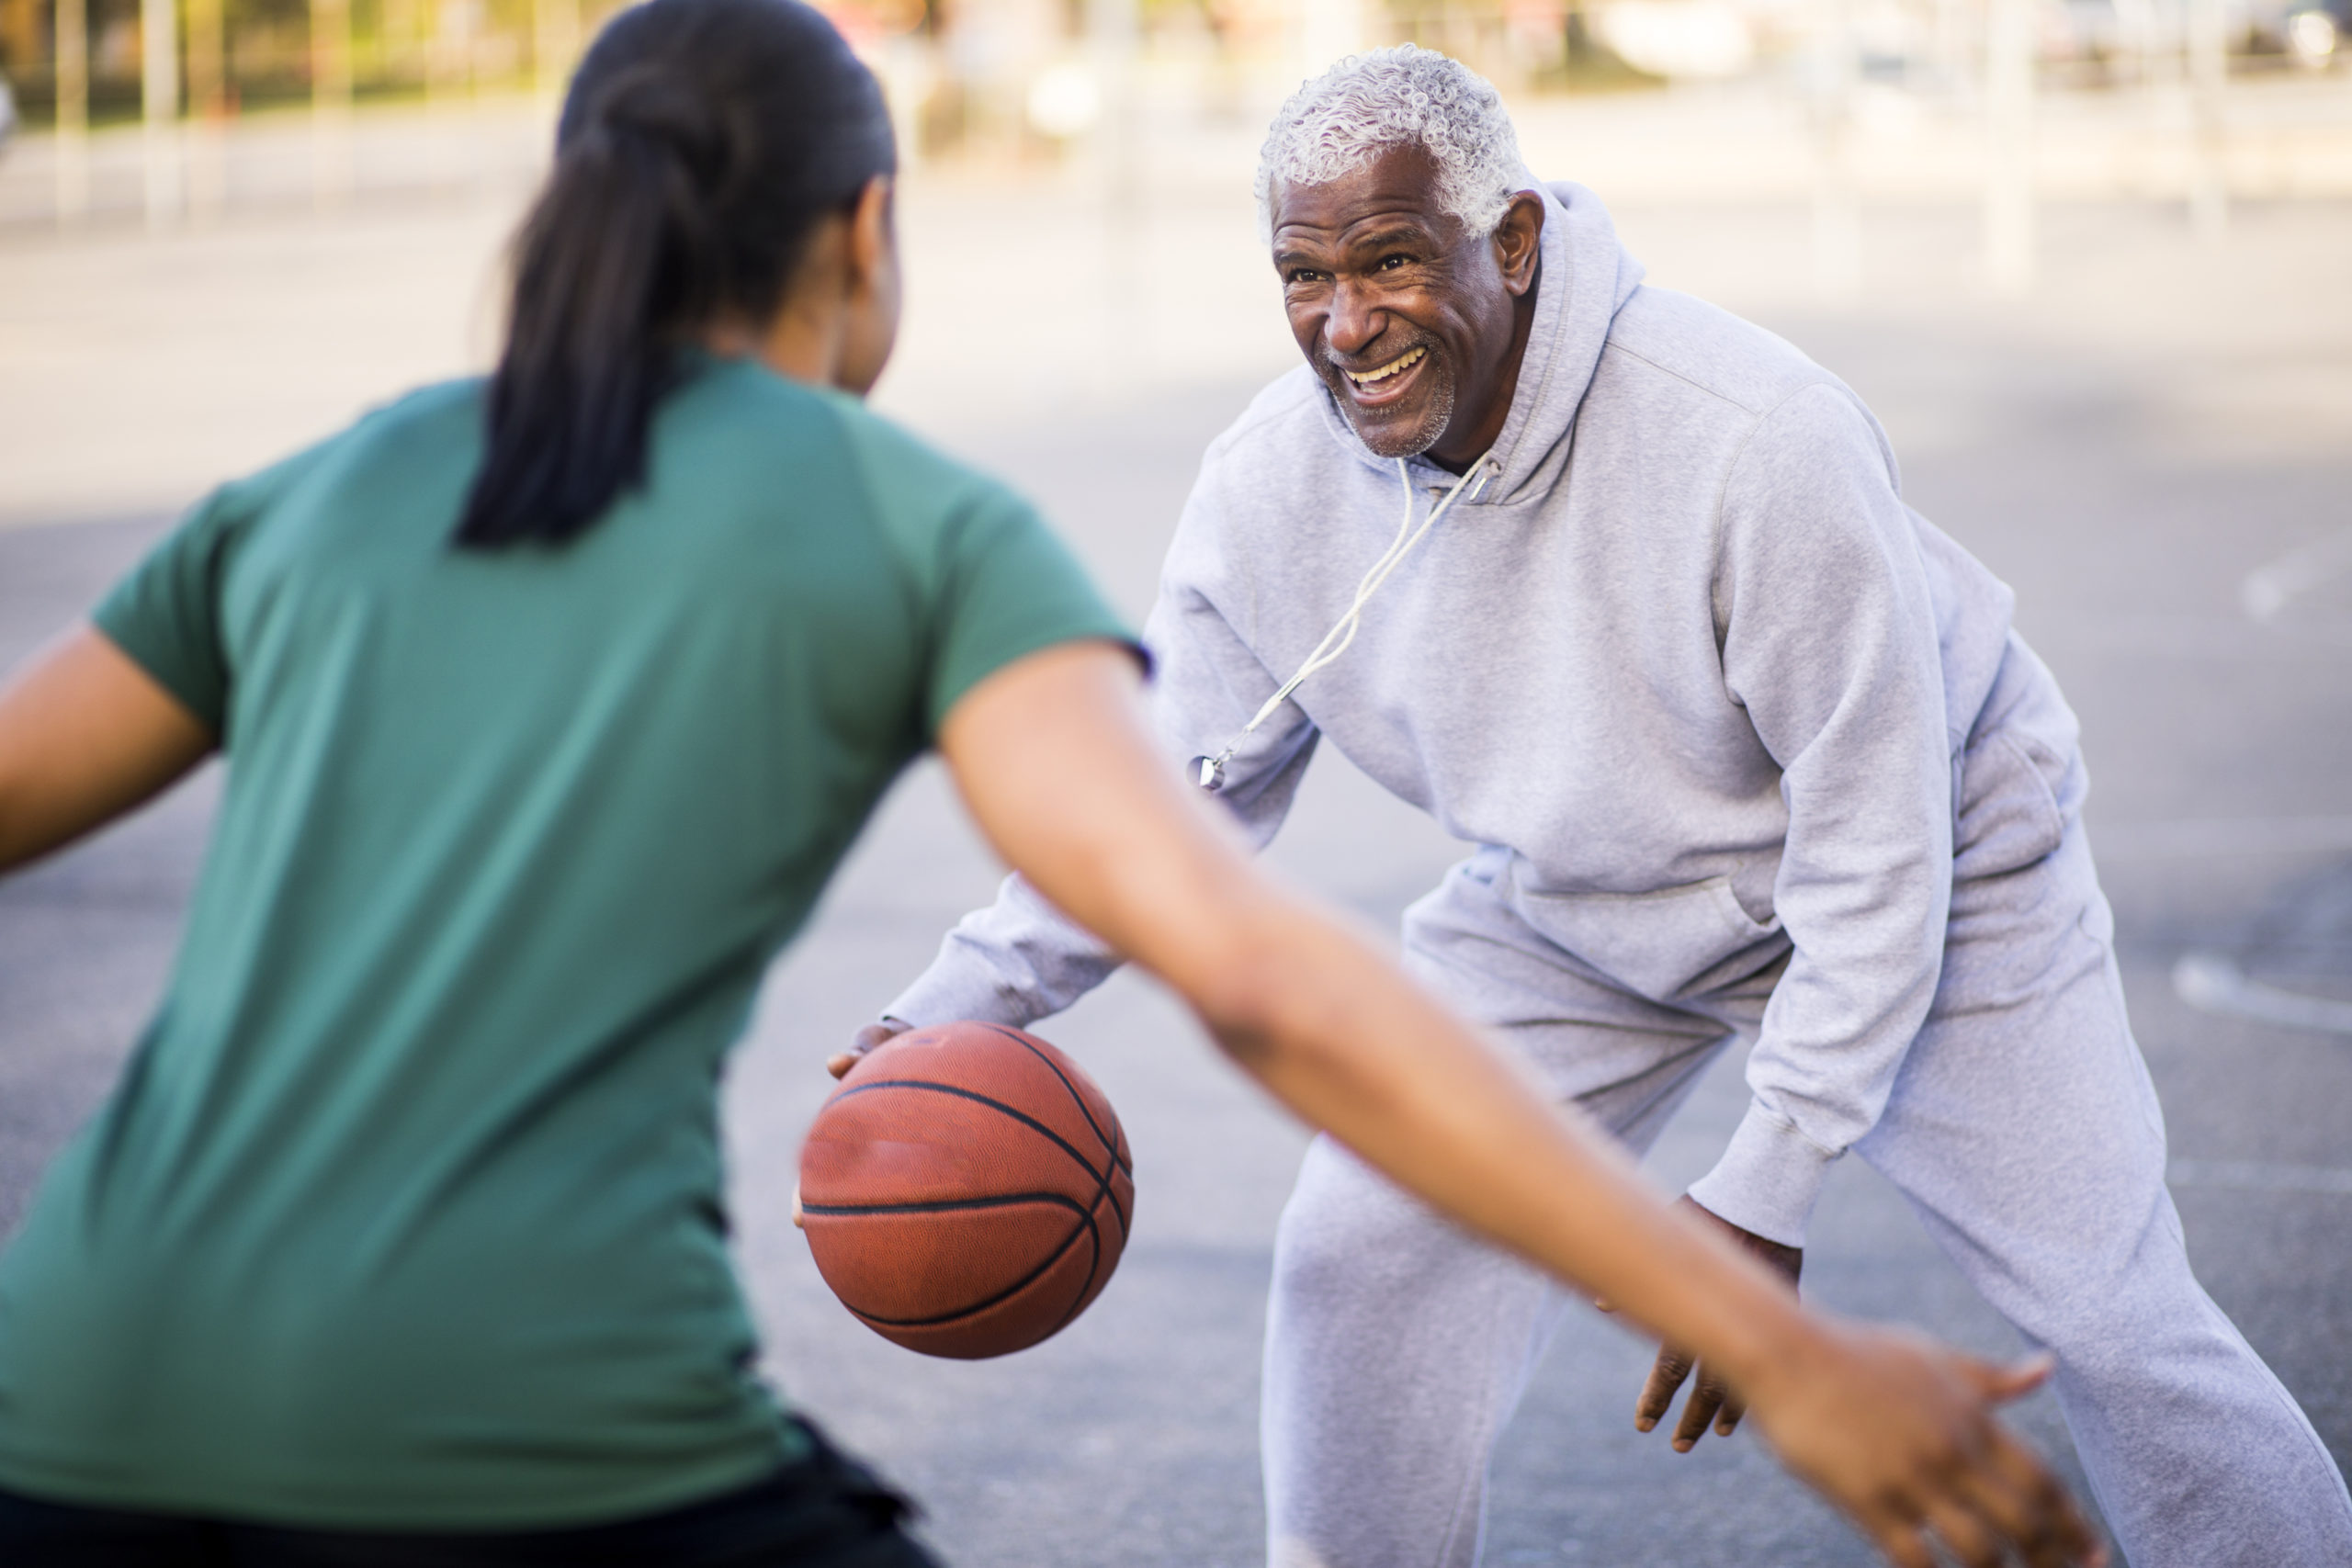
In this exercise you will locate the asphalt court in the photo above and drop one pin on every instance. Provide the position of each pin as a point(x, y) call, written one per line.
point(2160, 423)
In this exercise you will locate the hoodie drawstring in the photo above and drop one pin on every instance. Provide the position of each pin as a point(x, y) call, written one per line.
point(1209, 772)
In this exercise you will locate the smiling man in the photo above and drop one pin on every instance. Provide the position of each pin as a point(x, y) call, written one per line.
point(1746, 748)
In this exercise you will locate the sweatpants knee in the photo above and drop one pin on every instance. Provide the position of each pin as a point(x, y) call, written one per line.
point(1348, 1237)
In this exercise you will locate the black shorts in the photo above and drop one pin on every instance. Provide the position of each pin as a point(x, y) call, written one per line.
point(825, 1511)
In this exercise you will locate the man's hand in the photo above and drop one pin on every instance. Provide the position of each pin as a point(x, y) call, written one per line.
point(1711, 1400)
point(873, 1034)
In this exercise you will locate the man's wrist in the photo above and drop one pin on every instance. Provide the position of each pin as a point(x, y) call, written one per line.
point(1779, 1256)
point(1762, 1329)
point(1769, 1179)
point(947, 993)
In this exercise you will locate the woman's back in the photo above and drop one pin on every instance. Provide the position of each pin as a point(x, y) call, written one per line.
point(408, 1204)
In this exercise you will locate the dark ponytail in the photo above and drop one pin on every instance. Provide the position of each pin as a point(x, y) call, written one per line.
point(700, 143)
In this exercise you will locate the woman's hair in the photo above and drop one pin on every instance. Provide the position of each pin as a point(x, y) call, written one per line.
point(701, 142)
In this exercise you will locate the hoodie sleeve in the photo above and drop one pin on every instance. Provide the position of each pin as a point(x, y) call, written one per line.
point(1019, 959)
point(1829, 642)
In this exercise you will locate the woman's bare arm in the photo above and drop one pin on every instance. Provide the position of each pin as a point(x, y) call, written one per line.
point(1053, 759)
point(85, 735)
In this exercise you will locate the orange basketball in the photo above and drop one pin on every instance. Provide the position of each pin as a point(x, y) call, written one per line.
point(966, 1191)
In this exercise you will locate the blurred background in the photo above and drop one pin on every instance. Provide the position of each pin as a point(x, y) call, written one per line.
point(245, 104)
point(2089, 260)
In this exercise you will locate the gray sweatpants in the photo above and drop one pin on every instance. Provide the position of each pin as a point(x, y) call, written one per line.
point(2025, 1132)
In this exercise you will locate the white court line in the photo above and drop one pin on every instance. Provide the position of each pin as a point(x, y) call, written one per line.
point(2224, 836)
point(2210, 983)
point(2255, 1176)
point(2268, 588)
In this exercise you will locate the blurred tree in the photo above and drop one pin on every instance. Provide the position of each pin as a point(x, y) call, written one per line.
point(20, 40)
point(208, 59)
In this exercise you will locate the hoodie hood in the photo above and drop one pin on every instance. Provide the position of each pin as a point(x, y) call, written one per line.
point(1585, 277)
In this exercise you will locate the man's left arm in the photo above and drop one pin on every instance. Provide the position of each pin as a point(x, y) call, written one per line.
point(1829, 639)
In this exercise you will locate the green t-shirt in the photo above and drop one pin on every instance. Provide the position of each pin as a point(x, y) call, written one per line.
point(408, 1210)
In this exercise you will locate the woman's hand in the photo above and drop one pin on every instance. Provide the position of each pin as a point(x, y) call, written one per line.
point(1899, 1433)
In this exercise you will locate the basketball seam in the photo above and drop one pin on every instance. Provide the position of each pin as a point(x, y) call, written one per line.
point(1111, 1144)
point(943, 1205)
point(1077, 1303)
point(1101, 1179)
point(1085, 1226)
point(1089, 1224)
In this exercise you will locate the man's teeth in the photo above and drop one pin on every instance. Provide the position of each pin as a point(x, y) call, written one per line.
point(1404, 361)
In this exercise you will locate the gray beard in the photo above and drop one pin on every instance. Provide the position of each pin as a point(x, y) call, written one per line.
point(1414, 440)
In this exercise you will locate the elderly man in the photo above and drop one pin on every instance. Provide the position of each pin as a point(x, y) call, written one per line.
point(1746, 747)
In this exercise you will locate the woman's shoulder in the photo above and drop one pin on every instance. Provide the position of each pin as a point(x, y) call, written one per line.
point(446, 414)
point(438, 414)
point(820, 436)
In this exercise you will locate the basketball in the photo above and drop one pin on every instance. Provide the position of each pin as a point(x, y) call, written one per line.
point(966, 1191)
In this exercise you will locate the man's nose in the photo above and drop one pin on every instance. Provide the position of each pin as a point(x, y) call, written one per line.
point(1356, 319)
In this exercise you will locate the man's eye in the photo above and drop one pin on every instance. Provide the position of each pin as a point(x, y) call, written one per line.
point(1390, 264)
point(1304, 274)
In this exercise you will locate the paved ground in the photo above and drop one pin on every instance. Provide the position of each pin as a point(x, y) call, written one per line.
point(2161, 420)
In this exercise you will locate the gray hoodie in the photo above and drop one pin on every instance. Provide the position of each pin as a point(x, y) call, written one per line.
point(1686, 655)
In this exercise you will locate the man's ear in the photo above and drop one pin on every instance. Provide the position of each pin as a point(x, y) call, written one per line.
point(1516, 241)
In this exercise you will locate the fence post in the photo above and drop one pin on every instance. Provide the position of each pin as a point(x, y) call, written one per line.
point(1113, 27)
point(330, 170)
point(1327, 30)
point(2209, 76)
point(72, 71)
point(207, 105)
point(20, 24)
point(2008, 109)
point(1837, 198)
point(555, 43)
point(159, 93)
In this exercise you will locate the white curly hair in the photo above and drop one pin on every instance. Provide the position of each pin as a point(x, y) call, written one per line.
point(1369, 103)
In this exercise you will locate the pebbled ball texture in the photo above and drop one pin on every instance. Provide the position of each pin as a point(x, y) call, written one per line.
point(966, 1191)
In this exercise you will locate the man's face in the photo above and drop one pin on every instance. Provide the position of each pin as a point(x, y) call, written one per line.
point(1414, 323)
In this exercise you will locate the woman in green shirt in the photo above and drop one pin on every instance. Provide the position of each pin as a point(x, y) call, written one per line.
point(549, 704)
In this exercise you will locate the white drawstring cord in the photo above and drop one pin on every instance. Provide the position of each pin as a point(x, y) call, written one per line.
point(1209, 772)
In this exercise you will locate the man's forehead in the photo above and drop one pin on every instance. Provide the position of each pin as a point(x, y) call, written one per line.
point(1398, 181)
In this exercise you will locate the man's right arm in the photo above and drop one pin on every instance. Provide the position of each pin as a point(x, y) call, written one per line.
point(1012, 961)
point(1020, 959)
